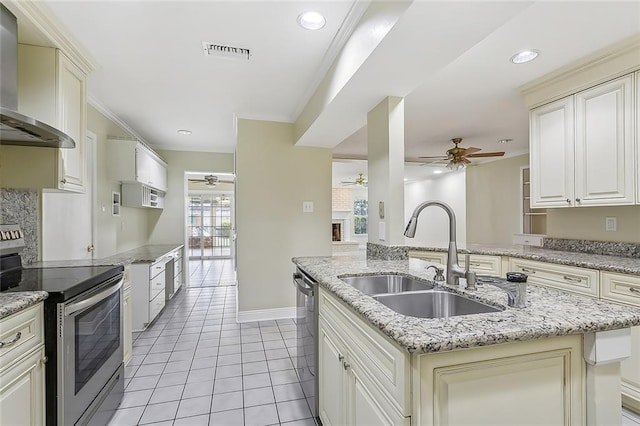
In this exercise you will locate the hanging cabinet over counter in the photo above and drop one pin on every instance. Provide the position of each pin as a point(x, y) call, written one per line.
point(583, 138)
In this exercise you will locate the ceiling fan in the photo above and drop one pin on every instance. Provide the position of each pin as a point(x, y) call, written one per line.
point(211, 180)
point(459, 157)
point(360, 180)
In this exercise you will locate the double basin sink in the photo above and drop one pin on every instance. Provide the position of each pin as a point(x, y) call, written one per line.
point(415, 297)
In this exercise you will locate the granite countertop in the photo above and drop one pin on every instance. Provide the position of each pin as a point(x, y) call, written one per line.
point(14, 302)
point(625, 265)
point(549, 312)
point(144, 254)
point(10, 303)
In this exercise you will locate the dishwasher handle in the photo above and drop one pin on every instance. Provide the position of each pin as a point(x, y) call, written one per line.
point(302, 286)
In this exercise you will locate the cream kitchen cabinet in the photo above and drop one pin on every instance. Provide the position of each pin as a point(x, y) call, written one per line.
point(569, 278)
point(52, 89)
point(481, 264)
point(364, 378)
point(148, 283)
point(130, 161)
point(582, 148)
point(22, 360)
point(625, 289)
point(127, 317)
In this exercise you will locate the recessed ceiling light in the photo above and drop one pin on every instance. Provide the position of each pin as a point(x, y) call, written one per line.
point(437, 172)
point(184, 132)
point(506, 140)
point(311, 20)
point(525, 56)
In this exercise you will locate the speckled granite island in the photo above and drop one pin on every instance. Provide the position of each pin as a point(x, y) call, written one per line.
point(11, 303)
point(459, 370)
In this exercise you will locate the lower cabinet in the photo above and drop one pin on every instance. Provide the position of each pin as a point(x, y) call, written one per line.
point(147, 291)
point(127, 309)
point(22, 360)
point(568, 278)
point(347, 395)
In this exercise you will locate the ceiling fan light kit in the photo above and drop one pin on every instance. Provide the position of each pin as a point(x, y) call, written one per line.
point(360, 180)
point(459, 157)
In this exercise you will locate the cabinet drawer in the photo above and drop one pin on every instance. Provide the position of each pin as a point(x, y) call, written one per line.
point(483, 264)
point(155, 306)
point(387, 364)
point(157, 268)
point(24, 328)
point(156, 286)
point(569, 278)
point(177, 267)
point(430, 256)
point(621, 288)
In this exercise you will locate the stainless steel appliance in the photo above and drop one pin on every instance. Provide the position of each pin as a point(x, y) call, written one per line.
point(83, 330)
point(307, 336)
point(16, 128)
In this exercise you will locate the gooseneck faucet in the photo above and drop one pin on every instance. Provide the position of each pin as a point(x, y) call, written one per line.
point(454, 270)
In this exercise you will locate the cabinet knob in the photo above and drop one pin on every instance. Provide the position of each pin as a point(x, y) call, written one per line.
point(568, 201)
point(577, 200)
point(90, 248)
point(63, 181)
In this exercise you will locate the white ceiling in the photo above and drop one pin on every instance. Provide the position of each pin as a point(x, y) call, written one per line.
point(448, 59)
point(348, 170)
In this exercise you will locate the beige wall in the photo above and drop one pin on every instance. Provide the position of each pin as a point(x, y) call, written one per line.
point(115, 233)
point(493, 201)
point(587, 223)
point(273, 179)
point(167, 226)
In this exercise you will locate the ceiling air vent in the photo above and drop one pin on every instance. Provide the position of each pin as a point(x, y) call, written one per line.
point(225, 52)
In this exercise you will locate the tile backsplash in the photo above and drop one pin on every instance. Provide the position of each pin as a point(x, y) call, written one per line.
point(21, 207)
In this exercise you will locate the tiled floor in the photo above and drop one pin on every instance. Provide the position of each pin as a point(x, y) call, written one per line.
point(196, 366)
point(211, 273)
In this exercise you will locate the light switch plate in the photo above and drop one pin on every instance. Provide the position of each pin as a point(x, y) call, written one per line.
point(307, 207)
point(611, 224)
point(381, 209)
point(381, 230)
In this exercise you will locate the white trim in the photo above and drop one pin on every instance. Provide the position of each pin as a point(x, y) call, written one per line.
point(266, 314)
point(94, 102)
point(92, 150)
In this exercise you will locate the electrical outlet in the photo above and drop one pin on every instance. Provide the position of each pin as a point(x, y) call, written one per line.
point(307, 207)
point(611, 224)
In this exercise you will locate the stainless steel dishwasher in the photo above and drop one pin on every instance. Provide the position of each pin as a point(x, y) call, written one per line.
point(307, 335)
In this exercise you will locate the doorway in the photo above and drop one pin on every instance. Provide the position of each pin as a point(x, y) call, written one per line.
point(210, 229)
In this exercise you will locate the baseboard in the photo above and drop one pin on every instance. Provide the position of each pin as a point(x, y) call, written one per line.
point(266, 314)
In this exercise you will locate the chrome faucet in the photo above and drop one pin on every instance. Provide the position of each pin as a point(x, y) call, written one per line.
point(454, 271)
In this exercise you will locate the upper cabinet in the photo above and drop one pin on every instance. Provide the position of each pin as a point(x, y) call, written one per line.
point(132, 162)
point(584, 149)
point(52, 89)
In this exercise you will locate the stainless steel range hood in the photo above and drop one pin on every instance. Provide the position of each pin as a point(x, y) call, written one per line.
point(16, 128)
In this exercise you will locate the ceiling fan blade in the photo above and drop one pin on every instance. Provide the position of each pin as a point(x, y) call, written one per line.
point(470, 150)
point(486, 154)
point(437, 157)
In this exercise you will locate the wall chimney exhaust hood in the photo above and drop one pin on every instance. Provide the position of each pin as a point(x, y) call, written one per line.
point(16, 128)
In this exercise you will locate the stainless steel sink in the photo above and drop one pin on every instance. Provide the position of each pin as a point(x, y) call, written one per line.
point(382, 284)
point(433, 304)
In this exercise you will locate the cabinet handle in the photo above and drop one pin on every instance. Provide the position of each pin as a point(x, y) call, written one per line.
point(476, 265)
point(11, 342)
point(571, 279)
point(340, 358)
point(528, 271)
point(346, 366)
point(578, 200)
point(634, 290)
point(63, 181)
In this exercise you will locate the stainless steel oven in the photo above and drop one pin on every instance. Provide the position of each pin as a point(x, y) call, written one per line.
point(90, 373)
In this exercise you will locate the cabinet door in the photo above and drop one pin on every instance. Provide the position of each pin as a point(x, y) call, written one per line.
point(72, 120)
point(22, 391)
point(144, 163)
point(630, 373)
point(605, 144)
point(331, 381)
point(365, 408)
point(551, 150)
point(128, 325)
point(158, 175)
point(637, 135)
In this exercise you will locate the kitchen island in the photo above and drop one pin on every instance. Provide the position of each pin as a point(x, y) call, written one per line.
point(516, 366)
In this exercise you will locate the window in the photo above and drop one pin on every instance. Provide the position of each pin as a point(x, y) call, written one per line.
point(360, 212)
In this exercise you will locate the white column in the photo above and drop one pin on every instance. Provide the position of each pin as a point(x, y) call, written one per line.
point(385, 168)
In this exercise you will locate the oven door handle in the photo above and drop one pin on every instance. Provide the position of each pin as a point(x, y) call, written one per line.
point(96, 298)
point(302, 286)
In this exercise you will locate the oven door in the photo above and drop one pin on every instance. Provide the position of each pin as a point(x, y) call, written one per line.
point(89, 348)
